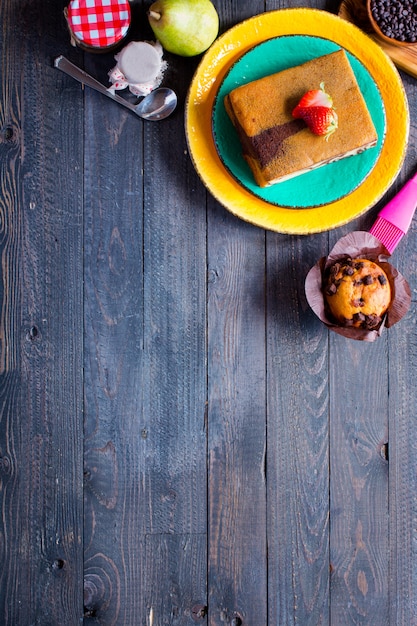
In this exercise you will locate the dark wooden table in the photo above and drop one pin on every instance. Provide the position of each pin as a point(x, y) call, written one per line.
point(181, 440)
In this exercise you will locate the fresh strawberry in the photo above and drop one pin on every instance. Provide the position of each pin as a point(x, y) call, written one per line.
point(320, 120)
point(313, 98)
point(315, 108)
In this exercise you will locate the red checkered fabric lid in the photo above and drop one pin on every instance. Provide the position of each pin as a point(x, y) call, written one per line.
point(99, 23)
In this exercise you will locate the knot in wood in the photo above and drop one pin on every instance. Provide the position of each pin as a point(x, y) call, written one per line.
point(58, 564)
point(198, 612)
point(32, 333)
point(8, 134)
point(5, 465)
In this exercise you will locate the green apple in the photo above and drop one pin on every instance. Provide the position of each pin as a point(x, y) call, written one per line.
point(184, 27)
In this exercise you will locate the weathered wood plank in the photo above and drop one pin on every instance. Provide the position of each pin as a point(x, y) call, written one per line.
point(297, 443)
point(359, 548)
point(41, 331)
point(403, 471)
point(113, 329)
point(236, 421)
point(145, 375)
point(174, 465)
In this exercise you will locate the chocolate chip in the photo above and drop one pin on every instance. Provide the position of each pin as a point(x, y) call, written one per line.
point(331, 289)
point(358, 317)
point(372, 321)
point(358, 302)
point(382, 279)
point(335, 269)
point(348, 271)
point(367, 280)
point(359, 265)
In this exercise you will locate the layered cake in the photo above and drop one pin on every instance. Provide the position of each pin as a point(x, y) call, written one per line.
point(277, 146)
point(357, 293)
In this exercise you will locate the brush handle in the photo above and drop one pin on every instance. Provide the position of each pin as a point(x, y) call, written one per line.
point(400, 210)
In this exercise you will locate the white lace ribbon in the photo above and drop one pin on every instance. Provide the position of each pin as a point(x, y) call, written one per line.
point(119, 81)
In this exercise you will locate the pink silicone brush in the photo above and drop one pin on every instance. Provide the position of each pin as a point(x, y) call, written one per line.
point(395, 218)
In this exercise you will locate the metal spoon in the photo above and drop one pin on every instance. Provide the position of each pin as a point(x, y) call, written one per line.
point(156, 106)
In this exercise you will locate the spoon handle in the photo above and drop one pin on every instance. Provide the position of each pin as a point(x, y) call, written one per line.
point(75, 72)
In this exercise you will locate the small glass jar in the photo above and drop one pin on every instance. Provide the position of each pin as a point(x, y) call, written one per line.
point(98, 25)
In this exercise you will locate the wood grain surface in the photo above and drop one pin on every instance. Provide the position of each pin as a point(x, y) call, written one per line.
point(41, 430)
point(181, 440)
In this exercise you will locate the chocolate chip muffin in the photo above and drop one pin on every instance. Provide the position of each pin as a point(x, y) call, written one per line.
point(357, 293)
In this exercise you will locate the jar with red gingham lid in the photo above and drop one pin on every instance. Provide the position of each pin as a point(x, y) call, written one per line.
point(98, 25)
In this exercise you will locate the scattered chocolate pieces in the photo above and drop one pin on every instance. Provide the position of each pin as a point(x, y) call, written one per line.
point(397, 19)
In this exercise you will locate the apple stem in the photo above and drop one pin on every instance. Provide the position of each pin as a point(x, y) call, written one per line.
point(154, 15)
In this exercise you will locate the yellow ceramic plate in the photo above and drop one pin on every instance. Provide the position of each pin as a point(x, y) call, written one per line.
point(214, 67)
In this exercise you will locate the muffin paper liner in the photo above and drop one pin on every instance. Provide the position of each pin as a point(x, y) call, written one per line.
point(358, 244)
